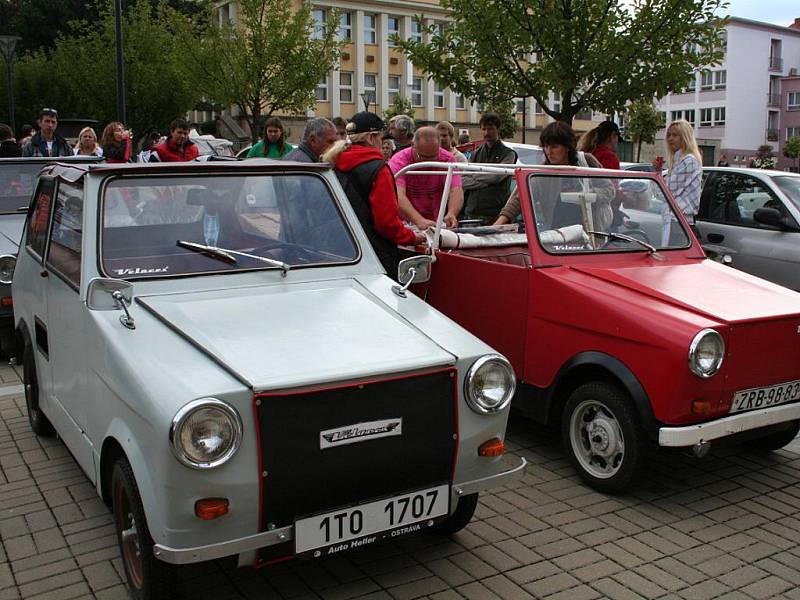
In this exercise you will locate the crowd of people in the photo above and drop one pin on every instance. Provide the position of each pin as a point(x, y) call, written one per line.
point(368, 153)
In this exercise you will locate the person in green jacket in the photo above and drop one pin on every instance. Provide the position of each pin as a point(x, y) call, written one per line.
point(273, 144)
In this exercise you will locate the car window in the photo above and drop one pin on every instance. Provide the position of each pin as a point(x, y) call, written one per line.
point(791, 187)
point(529, 156)
point(17, 182)
point(289, 218)
point(567, 208)
point(735, 197)
point(66, 234)
point(39, 220)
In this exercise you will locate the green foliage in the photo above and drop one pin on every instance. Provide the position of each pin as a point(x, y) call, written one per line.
point(642, 123)
point(791, 149)
point(78, 76)
point(267, 62)
point(765, 158)
point(598, 54)
point(400, 106)
point(508, 119)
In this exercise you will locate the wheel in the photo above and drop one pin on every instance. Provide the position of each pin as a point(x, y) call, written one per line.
point(148, 577)
point(40, 424)
point(601, 431)
point(460, 518)
point(775, 441)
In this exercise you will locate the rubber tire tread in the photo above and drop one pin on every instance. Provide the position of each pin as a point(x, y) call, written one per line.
point(460, 518)
point(159, 577)
point(774, 441)
point(620, 404)
point(40, 425)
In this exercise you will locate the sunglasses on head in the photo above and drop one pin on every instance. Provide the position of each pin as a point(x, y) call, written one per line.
point(48, 112)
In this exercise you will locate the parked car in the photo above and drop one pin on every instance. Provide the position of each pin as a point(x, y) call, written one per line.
point(626, 336)
point(752, 218)
point(17, 181)
point(527, 154)
point(256, 388)
point(636, 166)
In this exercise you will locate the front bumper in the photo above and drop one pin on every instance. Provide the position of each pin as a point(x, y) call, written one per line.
point(690, 435)
point(181, 556)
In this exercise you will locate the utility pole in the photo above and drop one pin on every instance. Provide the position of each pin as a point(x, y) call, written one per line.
point(121, 117)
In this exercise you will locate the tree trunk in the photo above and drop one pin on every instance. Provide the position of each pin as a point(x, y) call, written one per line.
point(639, 151)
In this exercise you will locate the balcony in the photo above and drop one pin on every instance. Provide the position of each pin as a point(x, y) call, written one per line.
point(774, 100)
point(775, 63)
point(772, 135)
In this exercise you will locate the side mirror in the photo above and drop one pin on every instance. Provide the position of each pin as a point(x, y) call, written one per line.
point(100, 294)
point(773, 218)
point(416, 269)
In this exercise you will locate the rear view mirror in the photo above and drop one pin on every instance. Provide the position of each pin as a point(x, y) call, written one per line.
point(416, 269)
point(99, 295)
point(773, 218)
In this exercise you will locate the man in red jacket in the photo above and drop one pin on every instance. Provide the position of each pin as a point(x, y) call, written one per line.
point(177, 147)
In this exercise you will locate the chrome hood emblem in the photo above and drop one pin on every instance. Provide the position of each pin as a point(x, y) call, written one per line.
point(360, 432)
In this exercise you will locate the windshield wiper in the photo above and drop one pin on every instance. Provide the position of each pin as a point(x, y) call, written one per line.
point(627, 238)
point(227, 255)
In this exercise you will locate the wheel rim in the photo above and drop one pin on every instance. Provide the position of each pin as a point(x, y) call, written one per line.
point(27, 376)
point(596, 439)
point(128, 535)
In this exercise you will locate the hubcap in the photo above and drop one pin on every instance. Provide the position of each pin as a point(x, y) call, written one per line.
point(596, 439)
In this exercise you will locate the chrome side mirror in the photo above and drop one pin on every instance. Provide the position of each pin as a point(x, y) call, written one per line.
point(111, 294)
point(416, 269)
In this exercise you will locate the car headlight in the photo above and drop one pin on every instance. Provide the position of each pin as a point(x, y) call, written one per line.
point(490, 384)
point(7, 264)
point(706, 353)
point(205, 433)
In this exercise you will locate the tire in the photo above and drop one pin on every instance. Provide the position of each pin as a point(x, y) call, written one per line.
point(40, 424)
point(608, 459)
point(774, 441)
point(148, 577)
point(460, 518)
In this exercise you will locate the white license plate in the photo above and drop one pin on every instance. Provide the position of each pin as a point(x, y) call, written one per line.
point(765, 397)
point(360, 525)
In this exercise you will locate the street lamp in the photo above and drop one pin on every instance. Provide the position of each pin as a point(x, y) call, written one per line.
point(7, 45)
point(120, 64)
point(367, 99)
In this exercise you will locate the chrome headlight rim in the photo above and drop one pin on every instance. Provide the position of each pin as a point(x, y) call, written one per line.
point(469, 392)
point(13, 259)
point(185, 412)
point(699, 337)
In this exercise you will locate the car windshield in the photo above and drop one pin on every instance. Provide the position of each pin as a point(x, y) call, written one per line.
point(17, 181)
point(791, 187)
point(568, 208)
point(289, 219)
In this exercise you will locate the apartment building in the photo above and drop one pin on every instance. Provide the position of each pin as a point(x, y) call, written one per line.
point(790, 117)
point(372, 72)
point(739, 104)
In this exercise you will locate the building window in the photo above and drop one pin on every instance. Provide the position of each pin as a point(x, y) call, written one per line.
point(345, 86)
point(393, 29)
point(662, 115)
point(370, 37)
point(224, 14)
point(537, 109)
point(438, 29)
point(345, 27)
point(460, 102)
point(371, 86)
point(322, 89)
point(556, 101)
point(706, 80)
point(793, 101)
point(519, 105)
point(692, 84)
point(675, 115)
point(416, 31)
point(438, 95)
point(720, 79)
point(689, 116)
point(416, 92)
point(705, 117)
point(792, 132)
point(318, 16)
point(719, 116)
point(394, 88)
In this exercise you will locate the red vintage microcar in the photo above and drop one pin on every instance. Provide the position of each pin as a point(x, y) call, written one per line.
point(618, 326)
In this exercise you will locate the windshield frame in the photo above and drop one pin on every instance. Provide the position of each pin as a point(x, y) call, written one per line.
point(793, 200)
point(183, 174)
point(585, 173)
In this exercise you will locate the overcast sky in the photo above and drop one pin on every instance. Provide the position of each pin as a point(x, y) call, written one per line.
point(779, 12)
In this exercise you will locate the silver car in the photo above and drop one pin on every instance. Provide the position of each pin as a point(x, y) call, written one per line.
point(220, 350)
point(752, 217)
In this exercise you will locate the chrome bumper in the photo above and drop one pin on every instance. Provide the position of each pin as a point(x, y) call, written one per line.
point(183, 556)
point(712, 430)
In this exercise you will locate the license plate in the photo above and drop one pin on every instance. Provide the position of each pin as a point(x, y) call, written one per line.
point(765, 396)
point(347, 528)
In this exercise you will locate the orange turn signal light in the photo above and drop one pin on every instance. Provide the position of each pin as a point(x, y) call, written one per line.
point(7, 301)
point(211, 508)
point(492, 447)
point(701, 407)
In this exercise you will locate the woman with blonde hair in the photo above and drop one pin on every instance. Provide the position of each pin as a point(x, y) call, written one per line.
point(87, 143)
point(685, 167)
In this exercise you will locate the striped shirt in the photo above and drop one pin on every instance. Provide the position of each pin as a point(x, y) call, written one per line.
point(684, 180)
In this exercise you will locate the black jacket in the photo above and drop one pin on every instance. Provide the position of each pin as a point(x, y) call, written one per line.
point(9, 149)
point(38, 147)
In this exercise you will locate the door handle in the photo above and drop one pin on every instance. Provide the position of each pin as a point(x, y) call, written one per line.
point(715, 237)
point(43, 273)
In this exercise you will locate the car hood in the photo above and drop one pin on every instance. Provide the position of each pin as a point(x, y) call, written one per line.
point(11, 232)
point(704, 287)
point(276, 337)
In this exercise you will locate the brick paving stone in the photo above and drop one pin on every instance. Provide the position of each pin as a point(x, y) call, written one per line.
point(418, 589)
point(615, 590)
point(772, 566)
point(639, 584)
point(704, 590)
point(536, 572)
point(582, 592)
point(718, 565)
point(552, 585)
point(620, 555)
point(767, 588)
point(446, 595)
point(680, 570)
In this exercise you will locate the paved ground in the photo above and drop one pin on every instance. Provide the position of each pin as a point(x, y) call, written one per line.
point(724, 527)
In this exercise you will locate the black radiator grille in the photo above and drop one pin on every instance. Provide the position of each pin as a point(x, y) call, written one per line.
point(303, 479)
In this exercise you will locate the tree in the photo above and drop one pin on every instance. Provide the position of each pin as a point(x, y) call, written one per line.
point(271, 60)
point(399, 106)
point(791, 149)
point(597, 54)
point(642, 123)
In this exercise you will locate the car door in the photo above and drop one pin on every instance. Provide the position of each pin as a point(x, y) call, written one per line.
point(727, 206)
point(65, 321)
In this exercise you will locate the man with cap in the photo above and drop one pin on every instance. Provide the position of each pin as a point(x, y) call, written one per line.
point(608, 136)
point(47, 142)
point(369, 185)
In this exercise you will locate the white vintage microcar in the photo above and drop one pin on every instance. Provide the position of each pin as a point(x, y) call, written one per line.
point(218, 347)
